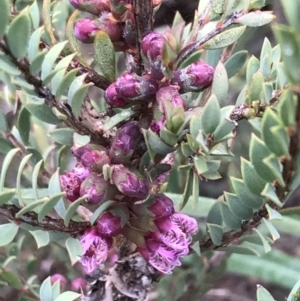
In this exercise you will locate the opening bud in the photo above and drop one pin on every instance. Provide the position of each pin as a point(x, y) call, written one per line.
point(109, 224)
point(113, 98)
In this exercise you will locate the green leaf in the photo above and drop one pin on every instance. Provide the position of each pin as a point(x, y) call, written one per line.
point(195, 192)
point(256, 18)
point(274, 233)
point(220, 84)
point(7, 233)
point(51, 58)
point(34, 42)
point(3, 123)
point(8, 158)
point(47, 16)
point(5, 146)
point(247, 198)
point(216, 233)
point(225, 38)
point(4, 16)
point(263, 295)
point(255, 86)
point(195, 126)
point(252, 180)
point(168, 137)
point(269, 192)
point(277, 142)
point(211, 115)
point(63, 136)
point(295, 291)
point(46, 290)
point(105, 55)
point(7, 66)
point(35, 14)
point(24, 125)
point(194, 57)
point(157, 144)
point(65, 83)
point(62, 67)
point(187, 190)
point(237, 208)
point(116, 119)
point(31, 206)
point(273, 214)
point(290, 47)
point(229, 219)
point(54, 189)
point(287, 108)
point(11, 279)
point(67, 296)
point(292, 13)
point(18, 34)
point(40, 110)
point(41, 237)
point(236, 62)
point(7, 195)
point(35, 175)
point(258, 152)
point(78, 98)
point(273, 163)
point(49, 205)
point(36, 64)
point(72, 209)
point(200, 165)
point(214, 215)
point(19, 175)
point(223, 130)
point(252, 67)
point(74, 249)
point(266, 245)
point(242, 249)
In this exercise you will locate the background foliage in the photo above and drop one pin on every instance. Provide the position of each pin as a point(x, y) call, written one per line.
point(259, 171)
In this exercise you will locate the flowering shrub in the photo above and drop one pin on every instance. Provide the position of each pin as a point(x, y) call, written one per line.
point(95, 171)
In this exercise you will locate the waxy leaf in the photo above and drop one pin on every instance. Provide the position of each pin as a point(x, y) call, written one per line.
point(74, 248)
point(4, 16)
point(263, 295)
point(105, 55)
point(18, 34)
point(236, 62)
point(210, 118)
point(225, 38)
point(256, 18)
point(7, 233)
point(237, 207)
point(63, 136)
point(220, 83)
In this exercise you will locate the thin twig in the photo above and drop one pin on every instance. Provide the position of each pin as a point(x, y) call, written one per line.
point(48, 223)
point(143, 16)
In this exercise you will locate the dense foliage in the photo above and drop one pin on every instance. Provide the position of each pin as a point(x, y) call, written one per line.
point(111, 128)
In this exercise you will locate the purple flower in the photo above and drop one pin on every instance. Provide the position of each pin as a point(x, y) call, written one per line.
point(130, 183)
point(196, 77)
point(94, 7)
point(109, 225)
point(95, 187)
point(78, 285)
point(113, 98)
point(85, 30)
point(152, 45)
point(125, 143)
point(58, 277)
point(186, 223)
point(161, 257)
point(156, 126)
point(161, 206)
point(131, 86)
point(95, 249)
point(71, 180)
point(92, 156)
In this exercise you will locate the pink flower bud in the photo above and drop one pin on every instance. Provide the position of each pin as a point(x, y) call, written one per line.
point(110, 25)
point(71, 180)
point(171, 95)
point(85, 30)
point(95, 249)
point(113, 98)
point(130, 183)
point(152, 45)
point(196, 77)
point(95, 187)
point(125, 143)
point(94, 7)
point(131, 86)
point(109, 224)
point(58, 277)
point(78, 285)
point(162, 206)
point(92, 156)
